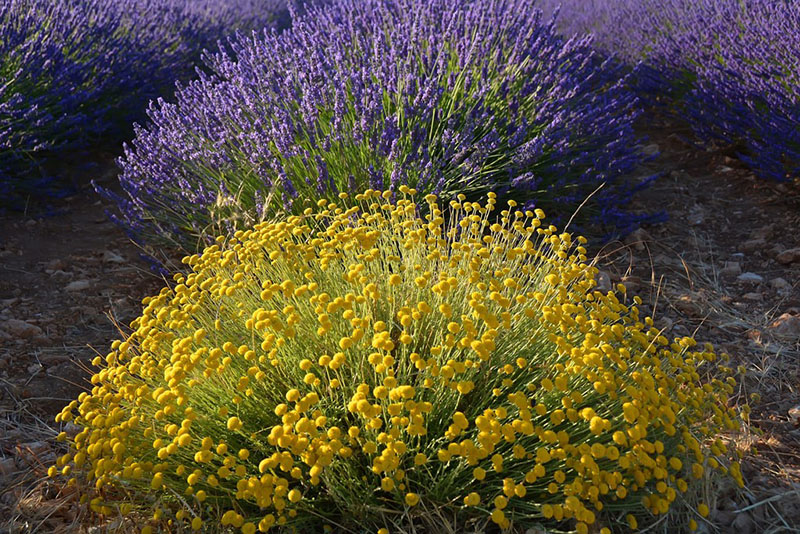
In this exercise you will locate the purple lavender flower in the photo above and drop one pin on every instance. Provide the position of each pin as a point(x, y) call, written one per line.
point(79, 72)
point(444, 95)
point(731, 67)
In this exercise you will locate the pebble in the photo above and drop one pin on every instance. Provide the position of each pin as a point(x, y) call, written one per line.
point(752, 278)
point(752, 245)
point(638, 239)
point(743, 524)
point(696, 216)
point(20, 329)
point(34, 368)
point(56, 265)
point(779, 284)
point(731, 268)
point(754, 297)
point(109, 256)
point(631, 283)
point(603, 282)
point(787, 325)
point(687, 304)
point(78, 285)
point(651, 150)
point(37, 448)
point(7, 467)
point(789, 256)
point(794, 415)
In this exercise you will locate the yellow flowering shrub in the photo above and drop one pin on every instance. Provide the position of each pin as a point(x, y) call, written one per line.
point(359, 367)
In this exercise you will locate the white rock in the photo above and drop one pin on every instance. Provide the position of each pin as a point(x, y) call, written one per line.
point(110, 256)
point(78, 285)
point(752, 278)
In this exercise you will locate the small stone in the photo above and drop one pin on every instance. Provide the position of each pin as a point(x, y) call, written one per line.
point(631, 283)
point(752, 245)
point(7, 303)
point(7, 467)
point(688, 305)
point(743, 524)
point(603, 282)
point(56, 265)
point(20, 329)
point(651, 150)
point(78, 285)
point(35, 447)
point(751, 278)
point(724, 518)
point(724, 168)
point(779, 284)
point(33, 451)
point(794, 415)
point(110, 256)
point(696, 216)
point(34, 368)
point(754, 297)
point(731, 268)
point(53, 358)
point(665, 324)
point(638, 239)
point(763, 233)
point(787, 325)
point(72, 429)
point(789, 256)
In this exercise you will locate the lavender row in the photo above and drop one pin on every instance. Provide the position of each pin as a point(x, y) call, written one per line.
point(78, 71)
point(443, 95)
point(731, 66)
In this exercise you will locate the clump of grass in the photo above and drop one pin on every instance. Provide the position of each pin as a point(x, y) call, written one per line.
point(363, 367)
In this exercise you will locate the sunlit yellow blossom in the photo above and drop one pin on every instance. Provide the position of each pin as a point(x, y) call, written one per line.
point(381, 355)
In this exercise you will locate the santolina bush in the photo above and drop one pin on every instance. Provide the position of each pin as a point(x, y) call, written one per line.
point(78, 71)
point(369, 368)
point(443, 95)
point(731, 67)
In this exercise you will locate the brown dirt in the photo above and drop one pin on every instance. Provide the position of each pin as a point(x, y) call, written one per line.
point(723, 222)
point(68, 283)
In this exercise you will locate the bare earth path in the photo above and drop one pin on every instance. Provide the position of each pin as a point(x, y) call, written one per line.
point(726, 267)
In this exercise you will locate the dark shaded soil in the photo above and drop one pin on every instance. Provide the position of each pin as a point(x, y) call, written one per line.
point(721, 269)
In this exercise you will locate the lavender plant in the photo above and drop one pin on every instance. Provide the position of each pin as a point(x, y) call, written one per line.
point(75, 71)
point(730, 66)
point(443, 95)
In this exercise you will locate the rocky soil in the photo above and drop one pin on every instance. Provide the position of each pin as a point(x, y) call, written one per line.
point(725, 267)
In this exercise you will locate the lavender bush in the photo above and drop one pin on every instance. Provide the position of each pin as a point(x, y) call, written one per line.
point(731, 66)
point(75, 71)
point(445, 96)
